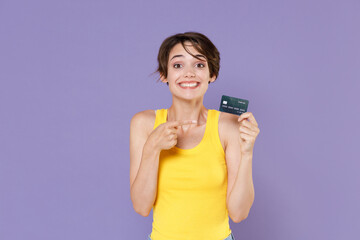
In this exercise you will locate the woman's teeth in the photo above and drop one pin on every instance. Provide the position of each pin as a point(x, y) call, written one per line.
point(189, 84)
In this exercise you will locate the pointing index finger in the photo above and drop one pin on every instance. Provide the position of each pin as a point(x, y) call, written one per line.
point(183, 122)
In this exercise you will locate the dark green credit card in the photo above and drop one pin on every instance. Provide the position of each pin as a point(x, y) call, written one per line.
point(233, 105)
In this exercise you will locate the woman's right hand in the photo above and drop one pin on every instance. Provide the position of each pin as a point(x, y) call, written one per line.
point(165, 135)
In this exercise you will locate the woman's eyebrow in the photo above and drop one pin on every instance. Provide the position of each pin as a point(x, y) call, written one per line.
point(198, 55)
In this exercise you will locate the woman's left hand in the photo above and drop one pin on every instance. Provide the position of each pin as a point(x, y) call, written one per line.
point(249, 130)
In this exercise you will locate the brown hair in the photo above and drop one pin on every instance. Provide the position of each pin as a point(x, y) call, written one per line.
point(199, 41)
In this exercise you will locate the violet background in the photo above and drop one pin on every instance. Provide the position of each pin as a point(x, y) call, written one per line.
point(73, 73)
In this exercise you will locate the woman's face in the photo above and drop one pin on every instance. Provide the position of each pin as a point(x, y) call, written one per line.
point(185, 69)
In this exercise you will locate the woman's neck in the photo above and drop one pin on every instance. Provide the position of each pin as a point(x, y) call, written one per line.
point(187, 112)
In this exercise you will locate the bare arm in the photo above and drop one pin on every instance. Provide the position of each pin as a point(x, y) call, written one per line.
point(144, 189)
point(240, 195)
point(144, 164)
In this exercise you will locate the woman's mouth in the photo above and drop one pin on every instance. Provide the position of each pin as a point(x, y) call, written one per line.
point(191, 85)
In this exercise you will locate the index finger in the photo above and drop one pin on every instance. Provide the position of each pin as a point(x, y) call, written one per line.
point(182, 122)
point(248, 115)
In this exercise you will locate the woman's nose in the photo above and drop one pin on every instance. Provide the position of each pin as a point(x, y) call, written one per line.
point(189, 73)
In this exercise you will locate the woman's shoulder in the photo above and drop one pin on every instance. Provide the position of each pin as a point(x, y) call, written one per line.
point(146, 118)
point(227, 126)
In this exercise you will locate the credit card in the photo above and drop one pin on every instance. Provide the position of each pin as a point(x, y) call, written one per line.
point(233, 105)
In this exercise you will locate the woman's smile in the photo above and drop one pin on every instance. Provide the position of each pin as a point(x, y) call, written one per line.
point(188, 85)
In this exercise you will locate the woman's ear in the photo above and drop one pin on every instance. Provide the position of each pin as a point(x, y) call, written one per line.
point(162, 78)
point(212, 79)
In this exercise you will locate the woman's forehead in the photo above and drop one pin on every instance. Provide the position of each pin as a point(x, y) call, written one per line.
point(178, 49)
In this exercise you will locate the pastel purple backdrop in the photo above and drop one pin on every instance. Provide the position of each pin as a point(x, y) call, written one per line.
point(73, 73)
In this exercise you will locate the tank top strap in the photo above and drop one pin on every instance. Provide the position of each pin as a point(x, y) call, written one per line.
point(213, 137)
point(161, 115)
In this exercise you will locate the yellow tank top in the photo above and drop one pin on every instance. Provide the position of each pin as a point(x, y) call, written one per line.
point(192, 185)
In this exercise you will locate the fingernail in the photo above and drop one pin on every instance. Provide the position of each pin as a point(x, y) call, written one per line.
point(194, 121)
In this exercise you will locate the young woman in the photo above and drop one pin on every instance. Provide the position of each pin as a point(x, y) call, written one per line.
point(191, 165)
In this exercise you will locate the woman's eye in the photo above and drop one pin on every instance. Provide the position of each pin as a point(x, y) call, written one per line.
point(177, 65)
point(201, 65)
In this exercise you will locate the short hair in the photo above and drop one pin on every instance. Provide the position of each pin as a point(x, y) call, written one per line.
point(199, 41)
